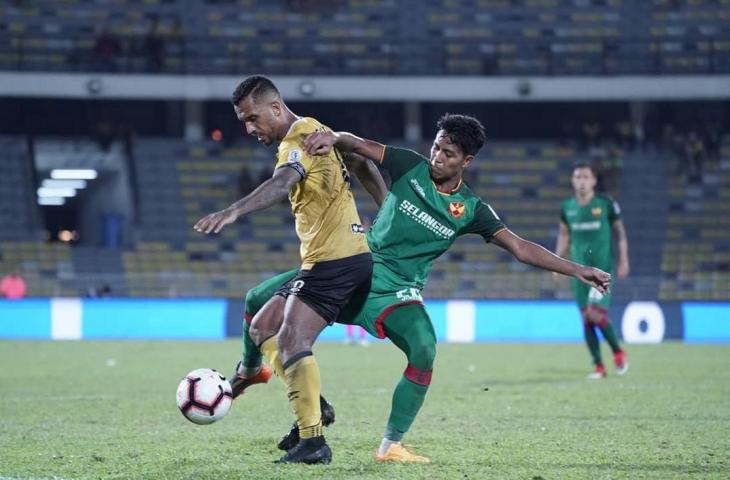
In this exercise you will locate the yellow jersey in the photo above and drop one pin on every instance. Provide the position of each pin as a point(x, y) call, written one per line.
point(327, 222)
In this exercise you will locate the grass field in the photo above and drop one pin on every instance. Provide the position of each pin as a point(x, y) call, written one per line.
point(107, 410)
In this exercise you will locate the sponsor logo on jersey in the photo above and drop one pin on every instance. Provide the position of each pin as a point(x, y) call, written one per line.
point(409, 294)
point(456, 209)
point(418, 187)
point(586, 226)
point(357, 228)
point(425, 220)
point(296, 287)
point(596, 211)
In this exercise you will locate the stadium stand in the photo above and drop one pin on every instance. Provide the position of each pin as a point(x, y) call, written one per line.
point(407, 37)
point(696, 258)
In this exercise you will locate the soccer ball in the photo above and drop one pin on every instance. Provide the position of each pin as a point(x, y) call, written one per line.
point(204, 396)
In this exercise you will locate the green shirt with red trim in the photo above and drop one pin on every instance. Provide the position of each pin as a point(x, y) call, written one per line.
point(590, 228)
point(417, 223)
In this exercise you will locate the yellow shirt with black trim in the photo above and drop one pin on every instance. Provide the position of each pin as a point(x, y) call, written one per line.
point(327, 222)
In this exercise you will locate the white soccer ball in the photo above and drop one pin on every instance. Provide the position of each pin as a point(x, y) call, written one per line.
point(204, 396)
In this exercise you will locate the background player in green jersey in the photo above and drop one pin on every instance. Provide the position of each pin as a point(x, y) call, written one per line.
point(427, 208)
point(588, 223)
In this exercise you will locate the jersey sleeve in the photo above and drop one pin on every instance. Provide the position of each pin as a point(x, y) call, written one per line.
point(563, 218)
point(614, 211)
point(398, 161)
point(486, 222)
point(292, 155)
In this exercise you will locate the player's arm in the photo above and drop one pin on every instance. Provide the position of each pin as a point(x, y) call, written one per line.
point(368, 175)
point(563, 243)
point(619, 233)
point(321, 143)
point(267, 194)
point(561, 248)
point(537, 256)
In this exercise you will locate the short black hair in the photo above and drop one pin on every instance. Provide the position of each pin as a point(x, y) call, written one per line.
point(254, 86)
point(464, 131)
point(583, 164)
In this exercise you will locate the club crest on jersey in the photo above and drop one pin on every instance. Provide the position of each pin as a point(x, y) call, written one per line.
point(456, 209)
point(596, 211)
point(295, 156)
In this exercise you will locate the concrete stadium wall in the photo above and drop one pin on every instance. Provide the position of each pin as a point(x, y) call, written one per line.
point(454, 320)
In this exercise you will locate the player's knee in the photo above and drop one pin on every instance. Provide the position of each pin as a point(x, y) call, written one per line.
point(423, 355)
point(255, 299)
point(589, 316)
point(256, 333)
point(260, 330)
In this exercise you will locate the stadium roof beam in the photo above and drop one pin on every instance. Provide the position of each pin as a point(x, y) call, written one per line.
point(338, 88)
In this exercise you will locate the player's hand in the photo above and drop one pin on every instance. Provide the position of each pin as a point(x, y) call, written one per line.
point(623, 269)
point(320, 143)
point(214, 222)
point(596, 278)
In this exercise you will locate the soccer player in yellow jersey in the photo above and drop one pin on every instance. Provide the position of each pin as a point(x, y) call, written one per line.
point(336, 260)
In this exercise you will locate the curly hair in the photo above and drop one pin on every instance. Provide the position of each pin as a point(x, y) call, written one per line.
point(255, 86)
point(464, 131)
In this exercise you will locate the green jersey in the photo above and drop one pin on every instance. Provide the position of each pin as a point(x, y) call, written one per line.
point(417, 223)
point(590, 228)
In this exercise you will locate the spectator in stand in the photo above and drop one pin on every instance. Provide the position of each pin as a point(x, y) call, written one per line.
point(713, 141)
point(106, 51)
point(695, 155)
point(13, 286)
point(154, 47)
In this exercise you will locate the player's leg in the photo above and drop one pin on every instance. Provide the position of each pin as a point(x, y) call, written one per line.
point(363, 337)
point(599, 305)
point(593, 343)
point(580, 291)
point(302, 325)
point(250, 370)
point(316, 300)
point(256, 298)
point(410, 329)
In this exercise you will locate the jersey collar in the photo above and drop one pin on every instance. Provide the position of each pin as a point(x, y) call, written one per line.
point(456, 189)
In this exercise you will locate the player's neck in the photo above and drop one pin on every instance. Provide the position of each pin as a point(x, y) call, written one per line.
point(288, 119)
point(448, 186)
point(585, 198)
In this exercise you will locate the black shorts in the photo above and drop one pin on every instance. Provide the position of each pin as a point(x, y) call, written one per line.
point(328, 286)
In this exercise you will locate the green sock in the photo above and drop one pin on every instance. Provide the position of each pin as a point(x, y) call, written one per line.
point(251, 353)
point(592, 341)
point(407, 400)
point(610, 335)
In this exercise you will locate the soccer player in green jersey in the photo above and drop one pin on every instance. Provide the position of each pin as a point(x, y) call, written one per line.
point(588, 224)
point(427, 208)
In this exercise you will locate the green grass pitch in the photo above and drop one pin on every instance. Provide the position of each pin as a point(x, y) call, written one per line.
point(90, 410)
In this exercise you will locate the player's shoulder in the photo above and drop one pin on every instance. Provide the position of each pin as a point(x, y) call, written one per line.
point(567, 202)
point(400, 152)
point(605, 199)
point(301, 127)
point(468, 194)
point(473, 201)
